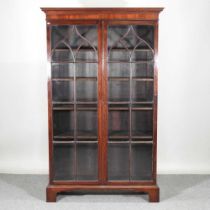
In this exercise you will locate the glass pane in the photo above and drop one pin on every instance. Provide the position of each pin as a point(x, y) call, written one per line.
point(119, 55)
point(63, 156)
point(86, 55)
point(141, 164)
point(63, 123)
point(86, 69)
point(63, 55)
point(130, 65)
point(119, 70)
point(118, 161)
point(119, 90)
point(86, 123)
point(142, 123)
point(143, 70)
point(118, 123)
point(115, 36)
point(87, 161)
point(129, 38)
point(86, 90)
point(142, 91)
point(62, 70)
point(73, 43)
point(74, 70)
point(142, 55)
point(85, 37)
point(62, 91)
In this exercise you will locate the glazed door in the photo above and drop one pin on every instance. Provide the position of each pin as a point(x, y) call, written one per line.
point(130, 101)
point(75, 102)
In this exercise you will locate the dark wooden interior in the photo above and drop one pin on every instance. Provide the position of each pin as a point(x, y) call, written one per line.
point(102, 99)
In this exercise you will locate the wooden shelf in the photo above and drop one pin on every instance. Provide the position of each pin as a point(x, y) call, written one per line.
point(141, 142)
point(61, 62)
point(130, 142)
point(75, 142)
point(127, 108)
point(87, 137)
point(122, 61)
point(134, 78)
point(128, 102)
point(72, 78)
point(78, 102)
point(63, 137)
point(63, 108)
point(127, 137)
point(142, 137)
point(119, 137)
point(77, 108)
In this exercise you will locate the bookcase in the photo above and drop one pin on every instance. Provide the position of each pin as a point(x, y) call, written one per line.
point(102, 99)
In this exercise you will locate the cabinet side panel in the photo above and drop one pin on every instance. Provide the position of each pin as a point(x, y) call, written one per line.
point(155, 103)
point(50, 120)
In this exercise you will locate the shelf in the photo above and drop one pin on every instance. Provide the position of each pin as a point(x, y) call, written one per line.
point(63, 108)
point(128, 102)
point(78, 102)
point(142, 137)
point(72, 78)
point(119, 137)
point(63, 142)
point(118, 108)
point(132, 142)
point(141, 108)
point(63, 137)
point(75, 142)
point(87, 137)
point(78, 137)
point(143, 61)
point(118, 142)
point(127, 108)
point(127, 137)
point(134, 78)
point(141, 142)
point(79, 109)
point(60, 62)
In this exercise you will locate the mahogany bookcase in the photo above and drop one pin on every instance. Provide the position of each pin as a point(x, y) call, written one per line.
point(102, 99)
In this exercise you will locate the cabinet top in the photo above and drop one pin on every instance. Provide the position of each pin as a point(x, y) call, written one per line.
point(101, 13)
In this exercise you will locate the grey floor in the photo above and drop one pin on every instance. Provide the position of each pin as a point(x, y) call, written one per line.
point(27, 192)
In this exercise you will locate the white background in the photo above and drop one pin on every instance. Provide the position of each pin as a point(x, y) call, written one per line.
point(184, 84)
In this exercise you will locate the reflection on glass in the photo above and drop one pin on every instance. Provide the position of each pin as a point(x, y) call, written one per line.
point(141, 167)
point(62, 70)
point(118, 90)
point(142, 123)
point(62, 91)
point(119, 69)
point(118, 161)
point(118, 123)
point(86, 123)
point(63, 123)
point(142, 91)
point(63, 162)
point(86, 90)
point(87, 161)
point(86, 69)
point(145, 70)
